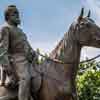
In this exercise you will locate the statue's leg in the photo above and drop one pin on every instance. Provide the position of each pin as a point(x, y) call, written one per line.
point(24, 81)
point(24, 89)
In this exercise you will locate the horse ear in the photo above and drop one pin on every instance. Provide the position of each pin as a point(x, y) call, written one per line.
point(81, 14)
point(89, 13)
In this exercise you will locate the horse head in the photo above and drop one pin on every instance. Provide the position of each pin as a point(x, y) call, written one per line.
point(86, 31)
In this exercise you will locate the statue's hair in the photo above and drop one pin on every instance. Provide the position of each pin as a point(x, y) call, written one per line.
point(9, 9)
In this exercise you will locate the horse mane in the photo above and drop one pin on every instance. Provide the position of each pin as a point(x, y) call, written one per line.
point(55, 52)
point(63, 43)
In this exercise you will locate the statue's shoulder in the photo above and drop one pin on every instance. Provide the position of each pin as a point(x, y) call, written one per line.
point(4, 26)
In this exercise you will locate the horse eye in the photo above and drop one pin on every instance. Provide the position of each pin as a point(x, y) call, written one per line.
point(82, 23)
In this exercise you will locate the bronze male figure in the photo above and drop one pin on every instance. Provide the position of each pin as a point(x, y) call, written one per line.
point(17, 51)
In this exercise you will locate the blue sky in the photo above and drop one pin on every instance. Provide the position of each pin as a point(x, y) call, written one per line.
point(45, 21)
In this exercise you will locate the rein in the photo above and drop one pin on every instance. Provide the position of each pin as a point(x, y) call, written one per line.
point(61, 62)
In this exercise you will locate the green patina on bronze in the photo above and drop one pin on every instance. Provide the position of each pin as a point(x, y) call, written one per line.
point(3, 56)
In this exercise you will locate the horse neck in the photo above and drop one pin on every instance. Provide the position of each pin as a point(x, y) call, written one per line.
point(68, 50)
point(71, 49)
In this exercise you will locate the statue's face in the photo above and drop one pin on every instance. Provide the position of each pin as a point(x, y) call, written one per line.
point(14, 17)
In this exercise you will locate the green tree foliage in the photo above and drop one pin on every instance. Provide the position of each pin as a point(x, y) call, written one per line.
point(41, 57)
point(88, 81)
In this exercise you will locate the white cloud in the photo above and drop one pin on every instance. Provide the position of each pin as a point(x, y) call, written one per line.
point(89, 52)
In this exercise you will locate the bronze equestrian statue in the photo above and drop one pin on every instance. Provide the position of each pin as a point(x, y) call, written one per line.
point(58, 75)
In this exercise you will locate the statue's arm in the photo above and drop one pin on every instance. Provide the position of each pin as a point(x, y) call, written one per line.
point(4, 62)
point(4, 43)
point(32, 55)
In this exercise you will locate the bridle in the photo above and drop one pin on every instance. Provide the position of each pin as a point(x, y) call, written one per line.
point(61, 62)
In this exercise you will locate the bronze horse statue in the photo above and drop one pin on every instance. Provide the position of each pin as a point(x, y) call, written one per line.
point(58, 81)
point(58, 75)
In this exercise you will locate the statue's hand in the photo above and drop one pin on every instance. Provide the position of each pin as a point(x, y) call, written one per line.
point(11, 83)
